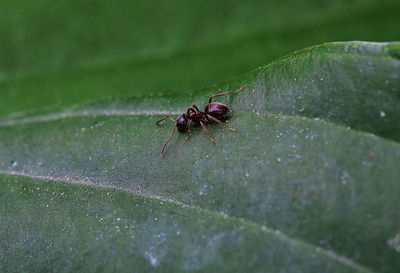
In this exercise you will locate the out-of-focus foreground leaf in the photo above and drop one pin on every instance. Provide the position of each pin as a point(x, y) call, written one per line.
point(310, 183)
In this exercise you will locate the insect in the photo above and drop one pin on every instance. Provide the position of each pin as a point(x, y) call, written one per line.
point(214, 111)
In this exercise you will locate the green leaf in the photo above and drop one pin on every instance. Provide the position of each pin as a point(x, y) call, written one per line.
point(316, 159)
point(119, 231)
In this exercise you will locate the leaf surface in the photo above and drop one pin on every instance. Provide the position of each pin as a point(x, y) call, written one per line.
point(316, 157)
point(118, 231)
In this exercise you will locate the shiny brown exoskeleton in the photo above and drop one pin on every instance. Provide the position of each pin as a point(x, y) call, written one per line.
point(214, 111)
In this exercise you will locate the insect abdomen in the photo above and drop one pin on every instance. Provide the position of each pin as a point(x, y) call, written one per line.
point(216, 109)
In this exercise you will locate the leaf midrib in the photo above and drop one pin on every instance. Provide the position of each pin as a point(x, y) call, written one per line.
point(310, 247)
point(64, 116)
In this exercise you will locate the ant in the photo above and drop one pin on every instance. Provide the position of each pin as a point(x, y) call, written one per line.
point(213, 111)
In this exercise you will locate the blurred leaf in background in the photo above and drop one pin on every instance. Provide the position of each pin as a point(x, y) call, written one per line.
point(65, 52)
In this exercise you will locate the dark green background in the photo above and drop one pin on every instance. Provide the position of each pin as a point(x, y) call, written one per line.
point(65, 52)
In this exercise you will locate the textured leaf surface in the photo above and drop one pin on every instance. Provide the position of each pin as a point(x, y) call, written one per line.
point(316, 157)
point(118, 231)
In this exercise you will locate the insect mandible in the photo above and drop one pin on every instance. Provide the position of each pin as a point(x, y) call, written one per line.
point(214, 111)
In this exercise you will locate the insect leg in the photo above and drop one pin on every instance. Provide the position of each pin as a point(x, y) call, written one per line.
point(220, 122)
point(226, 93)
point(195, 107)
point(188, 132)
point(167, 116)
point(166, 142)
point(190, 109)
point(206, 130)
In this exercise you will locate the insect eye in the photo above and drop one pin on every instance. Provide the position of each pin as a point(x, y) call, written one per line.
point(181, 122)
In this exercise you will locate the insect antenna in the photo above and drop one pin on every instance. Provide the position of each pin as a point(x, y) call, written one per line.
point(166, 142)
point(167, 116)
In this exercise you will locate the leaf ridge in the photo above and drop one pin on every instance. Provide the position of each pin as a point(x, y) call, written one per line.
point(130, 113)
point(327, 253)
